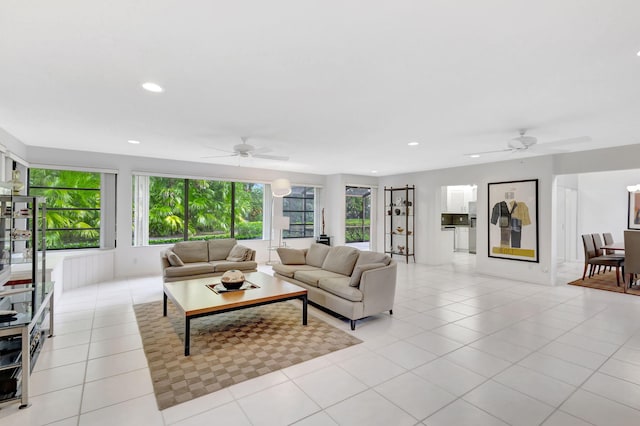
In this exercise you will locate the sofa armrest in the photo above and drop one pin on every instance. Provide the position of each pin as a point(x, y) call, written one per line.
point(378, 287)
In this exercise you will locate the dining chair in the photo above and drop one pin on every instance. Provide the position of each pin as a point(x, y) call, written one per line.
point(597, 244)
point(632, 255)
point(608, 239)
point(591, 260)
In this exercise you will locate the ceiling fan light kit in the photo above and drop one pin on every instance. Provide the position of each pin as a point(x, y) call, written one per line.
point(245, 150)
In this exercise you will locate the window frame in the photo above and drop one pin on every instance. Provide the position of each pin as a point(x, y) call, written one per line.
point(305, 212)
point(102, 241)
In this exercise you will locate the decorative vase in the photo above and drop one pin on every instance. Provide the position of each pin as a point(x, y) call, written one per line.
point(16, 182)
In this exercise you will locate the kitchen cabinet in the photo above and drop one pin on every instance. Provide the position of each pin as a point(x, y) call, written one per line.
point(462, 238)
point(457, 198)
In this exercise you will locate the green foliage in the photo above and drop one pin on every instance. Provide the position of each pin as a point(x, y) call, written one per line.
point(358, 219)
point(249, 230)
point(77, 227)
point(209, 209)
point(356, 235)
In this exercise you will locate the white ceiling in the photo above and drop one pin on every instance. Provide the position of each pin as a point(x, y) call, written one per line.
point(338, 86)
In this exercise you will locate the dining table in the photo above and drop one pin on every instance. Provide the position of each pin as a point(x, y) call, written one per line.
point(619, 245)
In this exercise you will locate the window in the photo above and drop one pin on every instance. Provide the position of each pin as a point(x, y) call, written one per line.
point(358, 214)
point(73, 206)
point(249, 201)
point(299, 206)
point(166, 210)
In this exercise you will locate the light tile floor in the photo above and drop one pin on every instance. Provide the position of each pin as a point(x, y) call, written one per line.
point(460, 349)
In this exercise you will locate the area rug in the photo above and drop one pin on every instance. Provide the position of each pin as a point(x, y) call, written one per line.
point(606, 281)
point(228, 348)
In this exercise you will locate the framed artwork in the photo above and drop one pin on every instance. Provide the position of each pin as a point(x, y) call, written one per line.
point(634, 211)
point(513, 220)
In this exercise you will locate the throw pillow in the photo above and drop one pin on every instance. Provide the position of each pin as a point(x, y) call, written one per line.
point(316, 254)
point(372, 257)
point(341, 260)
point(174, 259)
point(359, 269)
point(289, 256)
point(238, 253)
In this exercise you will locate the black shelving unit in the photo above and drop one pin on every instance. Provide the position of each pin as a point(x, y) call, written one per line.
point(399, 223)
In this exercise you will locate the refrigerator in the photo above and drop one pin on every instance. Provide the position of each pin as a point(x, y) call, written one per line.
point(472, 227)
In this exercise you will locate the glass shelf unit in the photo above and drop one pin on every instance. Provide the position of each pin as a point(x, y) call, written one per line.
point(28, 295)
point(399, 223)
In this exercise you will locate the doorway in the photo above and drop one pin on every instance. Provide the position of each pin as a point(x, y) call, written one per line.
point(358, 220)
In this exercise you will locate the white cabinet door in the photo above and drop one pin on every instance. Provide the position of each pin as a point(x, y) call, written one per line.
point(455, 201)
point(462, 238)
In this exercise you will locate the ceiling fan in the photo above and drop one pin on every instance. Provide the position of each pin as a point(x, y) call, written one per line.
point(525, 142)
point(245, 150)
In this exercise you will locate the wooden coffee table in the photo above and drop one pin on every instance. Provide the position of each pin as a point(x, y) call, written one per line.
point(195, 299)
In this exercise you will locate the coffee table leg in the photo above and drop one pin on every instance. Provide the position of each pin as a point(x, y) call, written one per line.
point(164, 304)
point(304, 310)
point(187, 334)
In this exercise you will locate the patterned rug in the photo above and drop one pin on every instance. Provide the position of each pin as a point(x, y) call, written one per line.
point(607, 281)
point(228, 348)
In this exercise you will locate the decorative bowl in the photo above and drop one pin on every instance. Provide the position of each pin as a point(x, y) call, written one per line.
point(232, 279)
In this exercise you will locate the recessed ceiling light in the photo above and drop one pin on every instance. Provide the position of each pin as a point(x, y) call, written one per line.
point(474, 155)
point(133, 142)
point(152, 87)
point(413, 143)
point(374, 171)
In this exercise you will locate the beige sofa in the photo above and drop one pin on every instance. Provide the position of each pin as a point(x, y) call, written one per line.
point(200, 259)
point(345, 280)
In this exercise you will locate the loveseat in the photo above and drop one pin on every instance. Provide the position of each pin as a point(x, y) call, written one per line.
point(345, 280)
point(200, 259)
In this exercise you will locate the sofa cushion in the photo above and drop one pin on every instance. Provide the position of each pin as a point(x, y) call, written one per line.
point(367, 257)
point(340, 287)
point(220, 249)
point(193, 268)
point(191, 251)
point(289, 256)
point(359, 269)
point(313, 276)
point(225, 265)
point(290, 270)
point(239, 253)
point(341, 260)
point(316, 254)
point(174, 259)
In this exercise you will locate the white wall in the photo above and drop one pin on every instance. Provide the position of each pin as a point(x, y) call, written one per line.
point(145, 260)
point(140, 261)
point(603, 202)
point(430, 238)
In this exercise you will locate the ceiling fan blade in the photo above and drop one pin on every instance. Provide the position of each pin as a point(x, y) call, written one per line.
point(474, 154)
point(558, 146)
point(569, 141)
point(221, 156)
point(218, 149)
point(271, 157)
point(262, 150)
